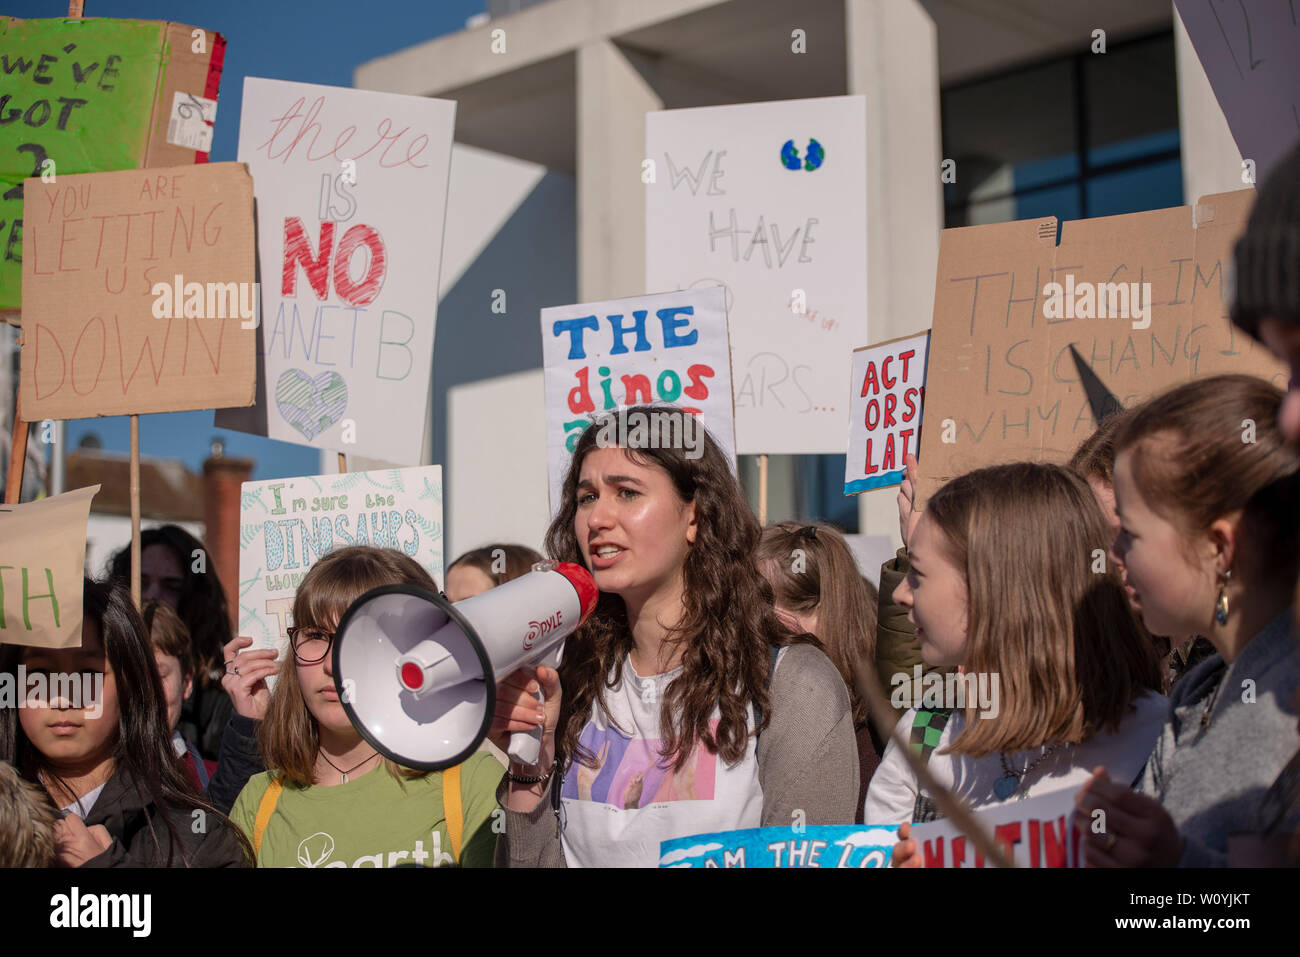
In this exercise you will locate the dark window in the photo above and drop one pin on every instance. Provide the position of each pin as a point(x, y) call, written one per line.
point(1092, 134)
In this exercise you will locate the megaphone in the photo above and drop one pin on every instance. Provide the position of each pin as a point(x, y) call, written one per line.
point(417, 674)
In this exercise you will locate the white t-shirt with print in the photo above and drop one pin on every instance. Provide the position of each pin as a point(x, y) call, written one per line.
point(617, 814)
point(891, 798)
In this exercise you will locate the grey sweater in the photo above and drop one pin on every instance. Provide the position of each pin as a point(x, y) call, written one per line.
point(807, 760)
point(1211, 779)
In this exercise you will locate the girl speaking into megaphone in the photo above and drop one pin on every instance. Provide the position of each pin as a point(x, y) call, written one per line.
point(683, 705)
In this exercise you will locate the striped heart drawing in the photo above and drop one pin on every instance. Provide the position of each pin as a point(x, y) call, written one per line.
point(311, 405)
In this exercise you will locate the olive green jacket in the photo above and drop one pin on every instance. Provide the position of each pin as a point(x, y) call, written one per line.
point(897, 650)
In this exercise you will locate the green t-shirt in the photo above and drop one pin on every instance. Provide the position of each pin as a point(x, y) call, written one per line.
point(375, 820)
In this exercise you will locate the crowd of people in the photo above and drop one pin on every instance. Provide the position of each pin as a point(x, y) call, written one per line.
point(1137, 607)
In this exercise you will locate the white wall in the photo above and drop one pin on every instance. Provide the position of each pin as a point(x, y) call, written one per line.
point(496, 463)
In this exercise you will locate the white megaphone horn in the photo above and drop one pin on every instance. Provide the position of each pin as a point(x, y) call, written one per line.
point(417, 674)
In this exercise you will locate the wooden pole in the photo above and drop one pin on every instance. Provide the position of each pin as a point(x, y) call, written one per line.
point(343, 462)
point(762, 490)
point(76, 8)
point(17, 453)
point(135, 510)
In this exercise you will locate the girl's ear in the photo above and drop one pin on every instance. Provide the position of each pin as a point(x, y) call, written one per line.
point(692, 527)
point(189, 687)
point(1225, 541)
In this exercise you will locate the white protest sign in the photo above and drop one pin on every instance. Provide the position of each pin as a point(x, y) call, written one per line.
point(669, 348)
point(1248, 50)
point(769, 199)
point(885, 396)
point(1038, 832)
point(287, 525)
point(351, 190)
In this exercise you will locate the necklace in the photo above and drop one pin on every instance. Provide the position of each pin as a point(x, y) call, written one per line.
point(1209, 706)
point(349, 770)
point(1010, 781)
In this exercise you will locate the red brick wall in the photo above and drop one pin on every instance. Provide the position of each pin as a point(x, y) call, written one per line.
point(221, 480)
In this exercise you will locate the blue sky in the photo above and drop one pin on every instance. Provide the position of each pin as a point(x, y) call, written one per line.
point(312, 41)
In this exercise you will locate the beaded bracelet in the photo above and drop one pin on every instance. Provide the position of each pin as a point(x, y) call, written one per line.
point(525, 779)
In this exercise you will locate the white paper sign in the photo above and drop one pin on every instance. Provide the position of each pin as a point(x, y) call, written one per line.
point(286, 525)
point(769, 199)
point(351, 190)
point(1039, 832)
point(885, 395)
point(669, 348)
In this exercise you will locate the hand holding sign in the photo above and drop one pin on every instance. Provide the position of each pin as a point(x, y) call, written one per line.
point(245, 677)
point(908, 515)
point(906, 853)
point(1134, 831)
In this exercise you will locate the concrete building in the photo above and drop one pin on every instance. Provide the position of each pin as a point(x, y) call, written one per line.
point(556, 93)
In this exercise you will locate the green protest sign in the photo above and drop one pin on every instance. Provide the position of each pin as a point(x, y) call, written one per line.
point(82, 96)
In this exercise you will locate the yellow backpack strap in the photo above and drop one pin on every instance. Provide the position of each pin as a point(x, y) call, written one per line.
point(452, 808)
point(265, 809)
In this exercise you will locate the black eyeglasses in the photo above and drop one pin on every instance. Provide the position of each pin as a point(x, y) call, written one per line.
point(310, 645)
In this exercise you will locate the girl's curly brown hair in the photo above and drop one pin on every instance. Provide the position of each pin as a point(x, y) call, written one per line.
point(728, 625)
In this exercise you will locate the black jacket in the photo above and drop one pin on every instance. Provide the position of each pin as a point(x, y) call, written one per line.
point(141, 837)
point(241, 758)
point(203, 718)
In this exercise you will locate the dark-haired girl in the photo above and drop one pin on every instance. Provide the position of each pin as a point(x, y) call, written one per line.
point(174, 569)
point(649, 724)
point(108, 762)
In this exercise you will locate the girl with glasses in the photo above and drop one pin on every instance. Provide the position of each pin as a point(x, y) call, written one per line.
point(328, 798)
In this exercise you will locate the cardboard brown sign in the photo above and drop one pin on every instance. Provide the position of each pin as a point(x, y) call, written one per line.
point(1002, 385)
point(44, 549)
point(138, 292)
point(94, 94)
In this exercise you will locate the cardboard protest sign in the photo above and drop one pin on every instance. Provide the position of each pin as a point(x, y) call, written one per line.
point(138, 292)
point(42, 565)
point(286, 525)
point(351, 195)
point(90, 95)
point(808, 846)
point(1248, 49)
point(648, 350)
point(1142, 298)
point(1036, 832)
point(769, 200)
point(885, 397)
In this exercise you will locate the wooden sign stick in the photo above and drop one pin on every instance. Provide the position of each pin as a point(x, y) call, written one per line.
point(762, 490)
point(135, 510)
point(343, 462)
point(17, 453)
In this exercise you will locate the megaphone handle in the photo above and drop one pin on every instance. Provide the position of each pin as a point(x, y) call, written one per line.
point(526, 746)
